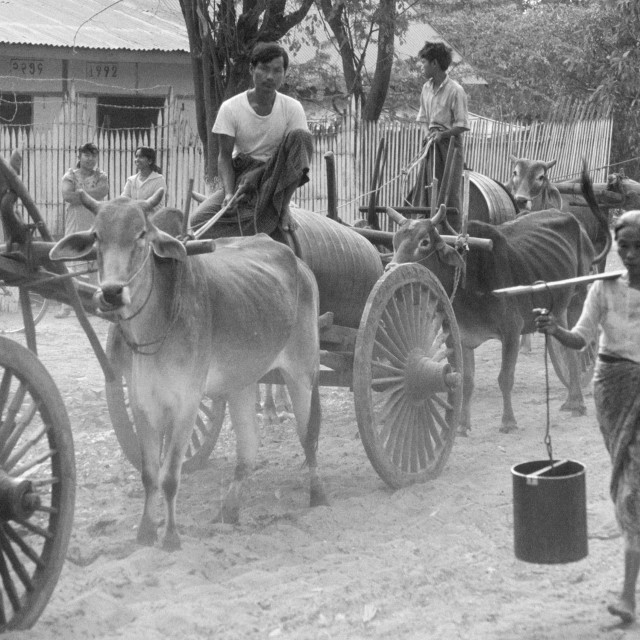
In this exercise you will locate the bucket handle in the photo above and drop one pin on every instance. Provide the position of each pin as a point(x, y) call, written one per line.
point(553, 465)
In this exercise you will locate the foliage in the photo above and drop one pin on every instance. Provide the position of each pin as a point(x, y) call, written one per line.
point(612, 62)
point(521, 54)
point(355, 26)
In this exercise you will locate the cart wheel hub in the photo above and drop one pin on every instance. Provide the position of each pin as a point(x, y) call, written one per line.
point(18, 501)
point(424, 377)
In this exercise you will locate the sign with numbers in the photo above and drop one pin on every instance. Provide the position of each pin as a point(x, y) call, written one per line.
point(102, 70)
point(26, 67)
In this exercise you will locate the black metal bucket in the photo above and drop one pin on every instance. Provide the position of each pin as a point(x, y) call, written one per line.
point(549, 511)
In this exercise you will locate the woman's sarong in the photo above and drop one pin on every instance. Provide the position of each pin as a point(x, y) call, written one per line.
point(616, 393)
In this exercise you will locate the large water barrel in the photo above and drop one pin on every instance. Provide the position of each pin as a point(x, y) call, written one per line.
point(489, 201)
point(346, 266)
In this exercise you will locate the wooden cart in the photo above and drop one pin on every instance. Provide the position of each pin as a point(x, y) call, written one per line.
point(391, 337)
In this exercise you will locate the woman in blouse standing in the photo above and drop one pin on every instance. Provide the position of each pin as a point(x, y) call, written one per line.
point(149, 178)
point(614, 306)
point(86, 176)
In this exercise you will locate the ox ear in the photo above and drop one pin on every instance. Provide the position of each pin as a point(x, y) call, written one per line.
point(513, 159)
point(89, 202)
point(548, 165)
point(151, 203)
point(76, 245)
point(166, 246)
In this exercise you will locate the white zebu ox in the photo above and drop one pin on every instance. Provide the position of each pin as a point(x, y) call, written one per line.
point(214, 324)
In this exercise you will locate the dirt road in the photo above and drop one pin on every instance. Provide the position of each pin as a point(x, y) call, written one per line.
point(433, 561)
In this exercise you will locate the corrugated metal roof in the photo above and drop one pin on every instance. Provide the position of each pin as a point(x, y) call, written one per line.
point(138, 25)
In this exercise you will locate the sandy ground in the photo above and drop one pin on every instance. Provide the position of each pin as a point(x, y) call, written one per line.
point(433, 561)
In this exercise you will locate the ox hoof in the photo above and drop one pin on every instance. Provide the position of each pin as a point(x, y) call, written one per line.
point(228, 515)
point(318, 498)
point(463, 431)
point(147, 534)
point(171, 542)
point(508, 428)
point(577, 408)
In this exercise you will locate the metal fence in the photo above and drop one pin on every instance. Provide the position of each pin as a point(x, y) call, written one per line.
point(569, 134)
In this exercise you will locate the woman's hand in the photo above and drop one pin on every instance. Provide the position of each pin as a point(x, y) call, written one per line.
point(545, 322)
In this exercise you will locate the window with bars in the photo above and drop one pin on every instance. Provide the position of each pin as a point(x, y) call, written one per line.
point(16, 109)
point(128, 112)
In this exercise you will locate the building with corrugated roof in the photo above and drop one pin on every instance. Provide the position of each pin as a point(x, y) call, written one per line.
point(121, 59)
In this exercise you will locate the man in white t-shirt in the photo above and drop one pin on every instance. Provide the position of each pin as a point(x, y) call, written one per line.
point(265, 149)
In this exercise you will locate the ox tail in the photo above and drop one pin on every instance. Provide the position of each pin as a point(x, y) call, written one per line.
point(590, 197)
point(313, 426)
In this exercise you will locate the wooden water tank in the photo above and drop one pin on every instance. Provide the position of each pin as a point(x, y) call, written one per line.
point(346, 266)
point(489, 201)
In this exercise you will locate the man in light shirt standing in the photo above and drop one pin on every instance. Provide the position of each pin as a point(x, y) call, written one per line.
point(443, 112)
point(265, 150)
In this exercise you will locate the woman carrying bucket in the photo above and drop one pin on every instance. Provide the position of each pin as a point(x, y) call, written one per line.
point(614, 306)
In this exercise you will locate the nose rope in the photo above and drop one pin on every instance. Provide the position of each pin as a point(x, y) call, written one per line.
point(137, 347)
point(144, 304)
point(132, 278)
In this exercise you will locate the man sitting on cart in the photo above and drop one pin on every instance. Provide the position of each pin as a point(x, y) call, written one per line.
point(443, 111)
point(265, 150)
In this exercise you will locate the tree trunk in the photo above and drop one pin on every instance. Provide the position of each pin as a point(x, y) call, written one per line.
point(384, 61)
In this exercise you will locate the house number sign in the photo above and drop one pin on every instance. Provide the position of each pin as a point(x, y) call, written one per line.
point(27, 67)
point(102, 70)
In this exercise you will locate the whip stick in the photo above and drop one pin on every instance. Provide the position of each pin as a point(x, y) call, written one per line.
point(205, 227)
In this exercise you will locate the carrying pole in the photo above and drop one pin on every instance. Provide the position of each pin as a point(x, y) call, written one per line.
point(556, 284)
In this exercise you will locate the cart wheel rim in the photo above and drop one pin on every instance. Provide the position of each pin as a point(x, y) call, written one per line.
point(408, 376)
point(36, 461)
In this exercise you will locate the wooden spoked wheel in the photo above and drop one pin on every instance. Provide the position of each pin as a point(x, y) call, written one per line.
point(560, 355)
point(407, 376)
point(37, 486)
point(11, 313)
point(206, 429)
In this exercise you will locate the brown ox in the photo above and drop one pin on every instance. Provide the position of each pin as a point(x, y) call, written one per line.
point(213, 324)
point(530, 185)
point(545, 245)
point(532, 191)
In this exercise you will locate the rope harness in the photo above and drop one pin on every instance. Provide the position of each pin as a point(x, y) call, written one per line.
point(139, 347)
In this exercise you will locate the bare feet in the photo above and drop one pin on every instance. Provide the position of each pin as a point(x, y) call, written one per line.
point(625, 610)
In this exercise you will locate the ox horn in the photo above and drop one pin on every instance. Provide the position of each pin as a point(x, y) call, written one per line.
point(440, 216)
point(396, 216)
point(91, 203)
point(548, 165)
